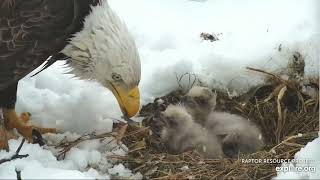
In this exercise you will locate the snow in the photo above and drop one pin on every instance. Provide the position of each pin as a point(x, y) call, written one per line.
point(41, 164)
point(124, 172)
point(89, 160)
point(57, 100)
point(308, 159)
point(167, 34)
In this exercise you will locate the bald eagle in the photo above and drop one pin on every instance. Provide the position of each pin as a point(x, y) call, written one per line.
point(87, 34)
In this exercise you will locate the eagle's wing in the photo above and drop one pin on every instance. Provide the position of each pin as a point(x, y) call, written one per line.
point(32, 30)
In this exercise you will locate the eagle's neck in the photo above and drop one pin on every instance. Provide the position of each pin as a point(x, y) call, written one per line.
point(101, 45)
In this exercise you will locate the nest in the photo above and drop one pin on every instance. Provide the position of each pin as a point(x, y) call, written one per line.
point(287, 117)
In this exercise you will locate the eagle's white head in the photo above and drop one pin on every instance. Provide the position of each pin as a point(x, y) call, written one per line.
point(105, 51)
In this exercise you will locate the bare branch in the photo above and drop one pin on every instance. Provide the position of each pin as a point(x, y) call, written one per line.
point(18, 172)
point(16, 155)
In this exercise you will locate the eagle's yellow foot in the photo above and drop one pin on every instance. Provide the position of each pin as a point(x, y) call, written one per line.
point(4, 137)
point(25, 117)
point(11, 121)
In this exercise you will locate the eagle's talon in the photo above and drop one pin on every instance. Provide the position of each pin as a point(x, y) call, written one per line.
point(27, 131)
point(44, 130)
point(37, 138)
point(21, 124)
point(25, 117)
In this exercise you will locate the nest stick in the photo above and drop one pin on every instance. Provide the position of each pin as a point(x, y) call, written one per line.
point(16, 155)
point(268, 73)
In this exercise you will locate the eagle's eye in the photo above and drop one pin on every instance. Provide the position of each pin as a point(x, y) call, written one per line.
point(116, 77)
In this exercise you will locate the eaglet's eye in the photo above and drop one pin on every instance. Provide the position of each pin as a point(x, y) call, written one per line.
point(202, 100)
point(116, 77)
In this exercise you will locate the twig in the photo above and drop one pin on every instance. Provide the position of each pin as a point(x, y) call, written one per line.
point(293, 144)
point(280, 118)
point(81, 139)
point(270, 74)
point(16, 155)
point(18, 172)
point(190, 82)
point(137, 131)
point(139, 167)
point(288, 139)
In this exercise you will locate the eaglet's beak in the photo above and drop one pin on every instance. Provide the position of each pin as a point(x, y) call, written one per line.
point(129, 100)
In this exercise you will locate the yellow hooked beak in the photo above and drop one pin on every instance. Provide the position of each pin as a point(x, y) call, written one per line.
point(129, 100)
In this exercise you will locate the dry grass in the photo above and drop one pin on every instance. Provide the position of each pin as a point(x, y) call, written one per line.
point(156, 165)
point(287, 116)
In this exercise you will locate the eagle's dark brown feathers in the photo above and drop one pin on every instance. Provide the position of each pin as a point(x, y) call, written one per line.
point(33, 30)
